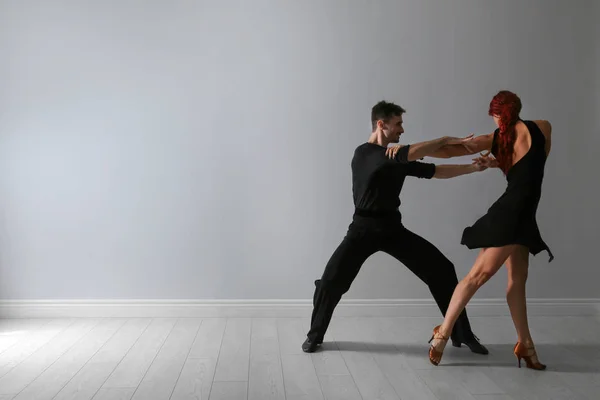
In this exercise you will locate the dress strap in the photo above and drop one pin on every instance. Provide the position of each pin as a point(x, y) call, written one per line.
point(495, 143)
point(537, 137)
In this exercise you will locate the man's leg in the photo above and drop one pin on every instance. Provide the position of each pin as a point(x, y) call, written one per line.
point(432, 267)
point(342, 268)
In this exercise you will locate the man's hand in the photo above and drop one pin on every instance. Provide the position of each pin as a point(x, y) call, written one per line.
point(479, 166)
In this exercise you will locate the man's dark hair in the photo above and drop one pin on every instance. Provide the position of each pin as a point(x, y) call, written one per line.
point(384, 111)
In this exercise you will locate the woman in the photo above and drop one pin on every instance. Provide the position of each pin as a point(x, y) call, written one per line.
point(509, 231)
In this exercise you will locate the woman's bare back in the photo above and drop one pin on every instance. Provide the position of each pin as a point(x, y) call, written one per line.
point(523, 139)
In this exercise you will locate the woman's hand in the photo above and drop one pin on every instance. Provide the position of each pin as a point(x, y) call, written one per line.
point(392, 151)
point(485, 161)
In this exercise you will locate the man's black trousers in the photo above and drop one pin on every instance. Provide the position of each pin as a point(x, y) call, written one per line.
point(367, 236)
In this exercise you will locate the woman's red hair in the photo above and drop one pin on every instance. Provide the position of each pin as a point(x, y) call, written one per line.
point(507, 107)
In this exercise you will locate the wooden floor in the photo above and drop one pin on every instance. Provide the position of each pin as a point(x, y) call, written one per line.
point(261, 359)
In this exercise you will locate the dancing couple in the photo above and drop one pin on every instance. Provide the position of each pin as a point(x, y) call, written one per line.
point(506, 234)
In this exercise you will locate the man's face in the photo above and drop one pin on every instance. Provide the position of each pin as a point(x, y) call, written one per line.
point(392, 129)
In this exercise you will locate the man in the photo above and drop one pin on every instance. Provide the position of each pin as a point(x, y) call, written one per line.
point(378, 173)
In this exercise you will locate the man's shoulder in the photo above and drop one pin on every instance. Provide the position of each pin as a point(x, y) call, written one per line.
point(369, 153)
point(369, 148)
point(369, 158)
point(362, 147)
point(361, 151)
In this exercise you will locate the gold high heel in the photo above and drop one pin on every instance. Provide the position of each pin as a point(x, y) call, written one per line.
point(522, 352)
point(436, 356)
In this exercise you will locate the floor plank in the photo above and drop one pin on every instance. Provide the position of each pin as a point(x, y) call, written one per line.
point(19, 377)
point(90, 378)
point(234, 356)
point(161, 378)
point(30, 343)
point(196, 379)
point(131, 370)
point(53, 379)
point(265, 374)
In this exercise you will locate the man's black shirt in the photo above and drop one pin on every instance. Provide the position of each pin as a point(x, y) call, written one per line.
point(377, 180)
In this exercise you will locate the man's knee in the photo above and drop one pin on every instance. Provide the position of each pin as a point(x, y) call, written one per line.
point(332, 286)
point(443, 271)
point(448, 266)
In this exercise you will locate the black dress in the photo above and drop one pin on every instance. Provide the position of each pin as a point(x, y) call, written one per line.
point(512, 218)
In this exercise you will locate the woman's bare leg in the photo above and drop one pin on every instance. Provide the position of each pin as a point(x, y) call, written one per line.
point(518, 266)
point(487, 264)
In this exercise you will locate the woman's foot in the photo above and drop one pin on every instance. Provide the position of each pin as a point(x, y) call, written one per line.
point(438, 343)
point(527, 352)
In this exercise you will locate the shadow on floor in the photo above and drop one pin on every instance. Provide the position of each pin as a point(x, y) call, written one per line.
point(557, 357)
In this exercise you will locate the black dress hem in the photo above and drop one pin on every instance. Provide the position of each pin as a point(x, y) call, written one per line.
point(473, 245)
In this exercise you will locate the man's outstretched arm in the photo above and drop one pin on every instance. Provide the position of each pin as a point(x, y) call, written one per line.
point(428, 170)
point(475, 145)
point(416, 151)
point(452, 171)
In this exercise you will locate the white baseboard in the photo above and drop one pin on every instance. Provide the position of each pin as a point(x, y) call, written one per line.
point(277, 308)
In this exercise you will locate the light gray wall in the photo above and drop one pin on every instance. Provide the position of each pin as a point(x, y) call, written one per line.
point(199, 150)
point(596, 24)
point(590, 165)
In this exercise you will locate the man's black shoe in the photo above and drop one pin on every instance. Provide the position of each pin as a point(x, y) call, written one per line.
point(472, 344)
point(310, 347)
